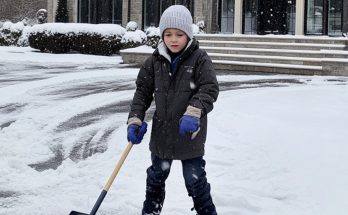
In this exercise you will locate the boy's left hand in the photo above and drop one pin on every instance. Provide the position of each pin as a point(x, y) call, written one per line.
point(189, 124)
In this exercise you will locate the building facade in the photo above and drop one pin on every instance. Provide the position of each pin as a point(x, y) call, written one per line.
point(296, 17)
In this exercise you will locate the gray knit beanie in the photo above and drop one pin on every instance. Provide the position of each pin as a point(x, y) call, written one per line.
point(176, 16)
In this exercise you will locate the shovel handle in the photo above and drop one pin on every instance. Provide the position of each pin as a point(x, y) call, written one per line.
point(111, 179)
point(118, 166)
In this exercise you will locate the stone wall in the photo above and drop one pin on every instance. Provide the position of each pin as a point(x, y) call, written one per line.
point(137, 12)
point(345, 17)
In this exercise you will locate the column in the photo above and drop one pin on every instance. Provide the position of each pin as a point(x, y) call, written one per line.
point(300, 19)
point(125, 13)
point(72, 10)
point(238, 16)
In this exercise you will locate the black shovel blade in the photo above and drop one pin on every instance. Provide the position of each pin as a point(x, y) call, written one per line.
point(77, 213)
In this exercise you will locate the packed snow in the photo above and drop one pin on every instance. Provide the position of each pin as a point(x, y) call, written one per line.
point(277, 144)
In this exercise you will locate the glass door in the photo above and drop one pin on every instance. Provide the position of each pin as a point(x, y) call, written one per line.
point(272, 17)
point(315, 17)
point(324, 17)
point(250, 14)
point(335, 17)
point(227, 16)
point(151, 13)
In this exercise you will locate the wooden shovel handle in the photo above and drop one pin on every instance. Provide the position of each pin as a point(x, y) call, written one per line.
point(118, 166)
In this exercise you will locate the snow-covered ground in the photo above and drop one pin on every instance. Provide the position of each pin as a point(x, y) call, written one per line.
point(277, 144)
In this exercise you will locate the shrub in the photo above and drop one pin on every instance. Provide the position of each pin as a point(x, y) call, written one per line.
point(10, 33)
point(153, 36)
point(101, 39)
point(133, 37)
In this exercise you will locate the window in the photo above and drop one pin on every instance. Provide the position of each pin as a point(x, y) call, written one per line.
point(100, 11)
point(291, 16)
point(315, 16)
point(154, 8)
point(324, 17)
point(335, 17)
point(151, 13)
point(227, 16)
point(250, 16)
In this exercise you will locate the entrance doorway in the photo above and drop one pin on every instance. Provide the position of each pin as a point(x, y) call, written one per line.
point(269, 16)
point(272, 17)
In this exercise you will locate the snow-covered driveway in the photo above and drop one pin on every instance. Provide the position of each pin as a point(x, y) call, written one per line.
point(277, 144)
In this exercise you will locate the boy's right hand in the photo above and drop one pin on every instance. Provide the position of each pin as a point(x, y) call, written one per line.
point(135, 133)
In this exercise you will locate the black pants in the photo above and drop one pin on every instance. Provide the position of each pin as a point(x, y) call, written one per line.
point(195, 181)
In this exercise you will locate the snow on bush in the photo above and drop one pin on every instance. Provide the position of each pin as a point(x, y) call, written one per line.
point(131, 26)
point(99, 39)
point(153, 36)
point(199, 27)
point(133, 37)
point(10, 33)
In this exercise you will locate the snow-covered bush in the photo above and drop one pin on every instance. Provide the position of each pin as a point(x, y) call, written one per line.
point(132, 26)
point(10, 33)
point(133, 37)
point(153, 36)
point(199, 27)
point(100, 39)
point(23, 40)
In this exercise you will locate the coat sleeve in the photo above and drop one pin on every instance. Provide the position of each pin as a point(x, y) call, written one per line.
point(143, 95)
point(207, 85)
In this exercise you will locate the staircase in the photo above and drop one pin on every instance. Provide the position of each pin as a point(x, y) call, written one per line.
point(315, 55)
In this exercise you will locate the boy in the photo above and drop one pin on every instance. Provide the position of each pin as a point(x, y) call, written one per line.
point(181, 78)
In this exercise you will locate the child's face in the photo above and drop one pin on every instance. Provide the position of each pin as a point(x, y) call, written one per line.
point(175, 39)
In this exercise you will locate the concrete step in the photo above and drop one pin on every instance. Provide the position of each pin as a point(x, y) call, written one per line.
point(273, 38)
point(272, 45)
point(278, 52)
point(266, 59)
point(274, 59)
point(268, 67)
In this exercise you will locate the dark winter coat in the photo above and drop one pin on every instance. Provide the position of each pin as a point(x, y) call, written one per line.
point(193, 83)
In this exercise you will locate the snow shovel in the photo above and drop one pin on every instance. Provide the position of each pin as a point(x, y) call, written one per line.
point(108, 184)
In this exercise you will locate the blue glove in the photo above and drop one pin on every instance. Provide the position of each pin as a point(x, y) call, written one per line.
point(135, 133)
point(189, 124)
